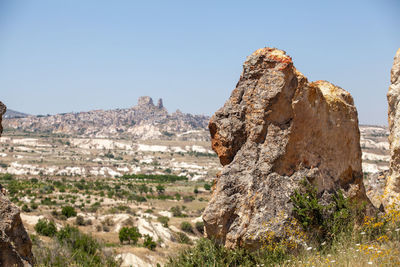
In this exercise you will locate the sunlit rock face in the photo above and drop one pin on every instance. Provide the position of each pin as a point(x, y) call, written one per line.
point(275, 130)
point(392, 189)
point(15, 245)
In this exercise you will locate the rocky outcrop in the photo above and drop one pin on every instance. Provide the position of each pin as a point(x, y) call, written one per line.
point(2, 112)
point(275, 130)
point(142, 121)
point(15, 245)
point(392, 189)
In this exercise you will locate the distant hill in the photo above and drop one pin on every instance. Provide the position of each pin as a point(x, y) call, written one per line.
point(11, 114)
point(143, 121)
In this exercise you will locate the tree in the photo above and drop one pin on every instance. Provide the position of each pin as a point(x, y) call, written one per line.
point(129, 234)
point(160, 189)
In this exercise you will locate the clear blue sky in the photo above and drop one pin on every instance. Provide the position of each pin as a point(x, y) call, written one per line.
point(77, 55)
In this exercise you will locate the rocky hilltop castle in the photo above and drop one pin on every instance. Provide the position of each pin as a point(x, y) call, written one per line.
point(143, 121)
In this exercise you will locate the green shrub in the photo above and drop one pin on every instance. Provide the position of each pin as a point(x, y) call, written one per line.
point(129, 234)
point(186, 227)
point(326, 222)
point(177, 212)
point(183, 238)
point(7, 177)
point(68, 211)
point(85, 250)
point(149, 243)
point(155, 177)
point(207, 253)
point(207, 187)
point(160, 189)
point(45, 227)
point(163, 220)
point(25, 208)
point(200, 227)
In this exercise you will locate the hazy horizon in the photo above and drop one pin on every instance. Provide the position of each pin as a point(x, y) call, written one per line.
point(73, 56)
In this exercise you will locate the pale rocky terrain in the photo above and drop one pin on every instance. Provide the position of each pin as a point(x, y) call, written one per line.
point(143, 121)
point(83, 157)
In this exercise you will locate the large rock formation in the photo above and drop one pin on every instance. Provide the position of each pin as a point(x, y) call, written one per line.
point(392, 189)
point(275, 130)
point(15, 245)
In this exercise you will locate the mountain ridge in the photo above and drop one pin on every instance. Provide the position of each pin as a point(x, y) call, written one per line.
point(142, 121)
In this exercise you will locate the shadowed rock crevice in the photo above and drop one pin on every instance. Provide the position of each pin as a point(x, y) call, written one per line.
point(275, 130)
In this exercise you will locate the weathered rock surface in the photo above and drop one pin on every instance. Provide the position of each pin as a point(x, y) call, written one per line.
point(275, 130)
point(15, 245)
point(2, 111)
point(392, 189)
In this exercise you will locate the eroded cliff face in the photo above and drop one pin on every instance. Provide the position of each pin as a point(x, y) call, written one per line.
point(15, 244)
point(2, 111)
point(392, 189)
point(275, 130)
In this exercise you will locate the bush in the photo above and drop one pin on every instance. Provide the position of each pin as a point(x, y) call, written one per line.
point(177, 212)
point(186, 227)
point(129, 234)
point(183, 238)
point(45, 227)
point(160, 189)
point(149, 243)
point(325, 221)
point(207, 187)
point(200, 227)
point(68, 211)
point(208, 253)
point(163, 220)
point(7, 177)
point(71, 248)
point(86, 251)
point(25, 208)
point(80, 220)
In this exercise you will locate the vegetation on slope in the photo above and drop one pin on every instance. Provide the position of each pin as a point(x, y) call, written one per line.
point(340, 237)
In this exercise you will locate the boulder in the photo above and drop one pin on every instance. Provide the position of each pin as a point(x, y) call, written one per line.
point(15, 244)
point(392, 188)
point(275, 130)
